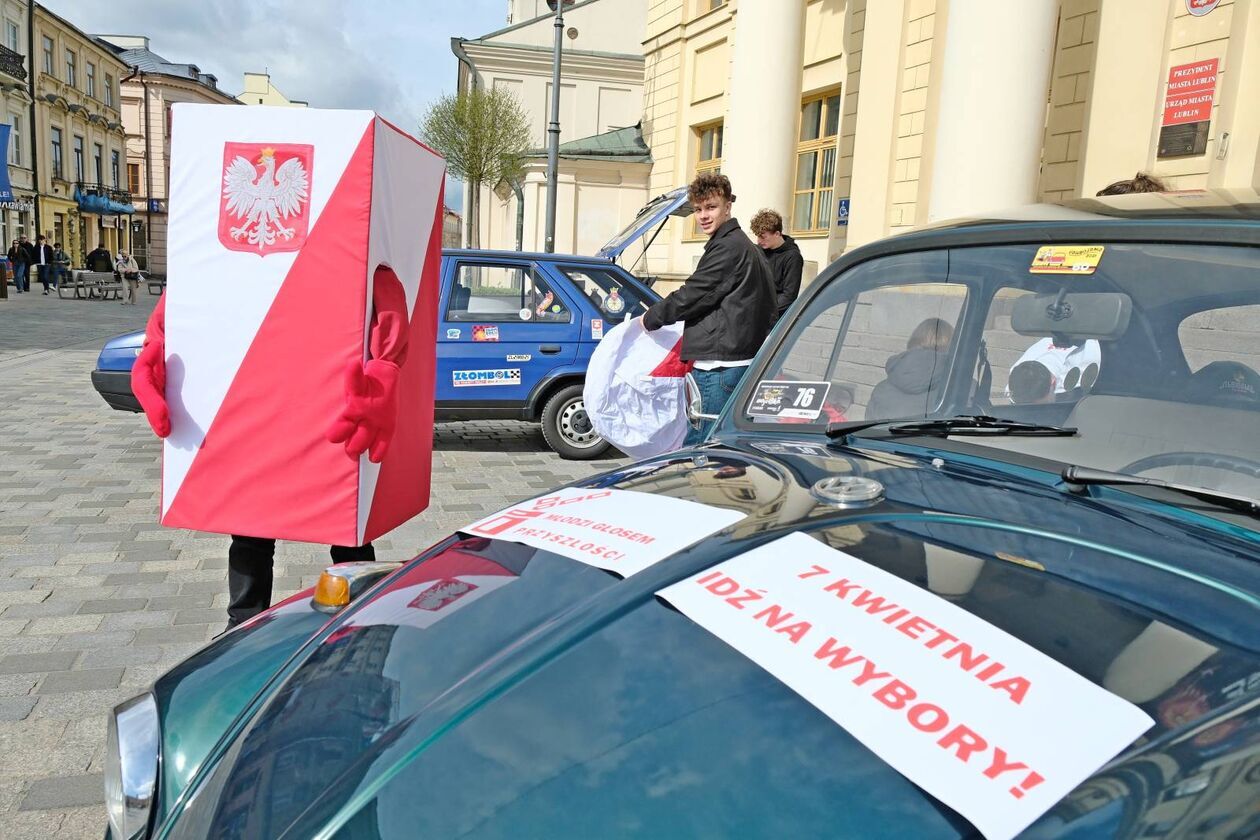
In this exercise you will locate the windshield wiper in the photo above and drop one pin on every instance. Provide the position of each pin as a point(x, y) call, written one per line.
point(1080, 477)
point(963, 424)
point(980, 424)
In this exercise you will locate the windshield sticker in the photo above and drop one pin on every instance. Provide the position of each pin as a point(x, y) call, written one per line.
point(526, 314)
point(614, 304)
point(973, 715)
point(1066, 259)
point(468, 378)
point(792, 400)
point(597, 328)
point(485, 332)
point(452, 333)
point(619, 531)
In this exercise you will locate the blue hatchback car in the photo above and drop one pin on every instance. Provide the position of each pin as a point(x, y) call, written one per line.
point(515, 333)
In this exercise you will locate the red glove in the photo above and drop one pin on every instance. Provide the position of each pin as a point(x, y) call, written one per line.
point(148, 374)
point(371, 412)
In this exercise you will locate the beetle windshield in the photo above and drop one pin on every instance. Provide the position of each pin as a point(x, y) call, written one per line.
point(1150, 351)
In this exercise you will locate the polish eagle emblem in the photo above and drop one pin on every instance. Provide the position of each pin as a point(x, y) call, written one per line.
point(265, 200)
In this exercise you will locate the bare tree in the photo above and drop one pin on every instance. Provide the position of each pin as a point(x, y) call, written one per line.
point(484, 135)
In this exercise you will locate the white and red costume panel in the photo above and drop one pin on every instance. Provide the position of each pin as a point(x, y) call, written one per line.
point(284, 223)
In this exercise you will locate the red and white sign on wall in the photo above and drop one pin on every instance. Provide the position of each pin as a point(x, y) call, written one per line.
point(617, 530)
point(1199, 8)
point(974, 716)
point(1191, 89)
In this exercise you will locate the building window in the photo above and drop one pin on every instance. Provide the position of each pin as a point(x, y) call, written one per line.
point(72, 78)
point(708, 159)
point(56, 152)
point(703, 6)
point(113, 167)
point(78, 158)
point(109, 91)
point(15, 139)
point(89, 78)
point(12, 36)
point(48, 55)
point(816, 164)
point(133, 178)
point(98, 158)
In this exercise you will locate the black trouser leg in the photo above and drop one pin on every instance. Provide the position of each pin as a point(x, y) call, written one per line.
point(250, 561)
point(352, 554)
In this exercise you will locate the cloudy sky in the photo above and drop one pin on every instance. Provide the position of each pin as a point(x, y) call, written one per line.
point(392, 56)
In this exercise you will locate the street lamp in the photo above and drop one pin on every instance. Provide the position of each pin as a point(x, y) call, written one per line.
point(553, 127)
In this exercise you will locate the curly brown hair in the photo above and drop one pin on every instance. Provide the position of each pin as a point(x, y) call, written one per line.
point(1139, 183)
point(766, 221)
point(710, 183)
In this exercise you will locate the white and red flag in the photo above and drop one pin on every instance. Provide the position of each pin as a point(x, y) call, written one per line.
point(281, 222)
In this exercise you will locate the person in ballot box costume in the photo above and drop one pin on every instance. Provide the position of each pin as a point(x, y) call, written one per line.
point(366, 424)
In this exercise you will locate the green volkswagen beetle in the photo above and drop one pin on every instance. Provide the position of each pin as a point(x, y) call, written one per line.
point(1044, 427)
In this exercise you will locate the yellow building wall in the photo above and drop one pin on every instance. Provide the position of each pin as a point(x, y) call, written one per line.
point(1070, 82)
point(912, 114)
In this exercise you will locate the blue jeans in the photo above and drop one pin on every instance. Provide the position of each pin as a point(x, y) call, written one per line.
point(19, 277)
point(716, 387)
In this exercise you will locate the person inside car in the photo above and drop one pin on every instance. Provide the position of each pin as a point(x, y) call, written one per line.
point(915, 377)
point(1031, 383)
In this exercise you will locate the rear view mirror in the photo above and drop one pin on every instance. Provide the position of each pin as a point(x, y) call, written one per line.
point(1098, 315)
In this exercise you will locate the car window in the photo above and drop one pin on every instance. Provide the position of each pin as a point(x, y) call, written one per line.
point(607, 292)
point(1024, 370)
point(882, 351)
point(504, 293)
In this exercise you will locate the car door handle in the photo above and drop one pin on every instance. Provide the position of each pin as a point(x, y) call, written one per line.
point(549, 349)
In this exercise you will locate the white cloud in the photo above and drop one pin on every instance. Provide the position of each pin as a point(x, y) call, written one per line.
point(392, 57)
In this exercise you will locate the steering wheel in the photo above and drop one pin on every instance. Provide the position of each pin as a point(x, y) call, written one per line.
point(1213, 460)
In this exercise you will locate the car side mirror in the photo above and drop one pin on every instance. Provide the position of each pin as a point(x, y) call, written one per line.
point(691, 391)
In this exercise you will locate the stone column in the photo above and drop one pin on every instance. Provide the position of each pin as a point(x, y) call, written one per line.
point(763, 118)
point(992, 110)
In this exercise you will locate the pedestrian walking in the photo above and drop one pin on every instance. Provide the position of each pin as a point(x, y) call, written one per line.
point(43, 261)
point(129, 272)
point(61, 265)
point(20, 259)
point(726, 305)
point(783, 255)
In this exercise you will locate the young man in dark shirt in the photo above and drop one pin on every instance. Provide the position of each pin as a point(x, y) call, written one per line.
point(726, 305)
point(783, 255)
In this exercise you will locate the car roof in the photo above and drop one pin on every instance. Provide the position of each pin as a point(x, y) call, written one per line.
point(526, 255)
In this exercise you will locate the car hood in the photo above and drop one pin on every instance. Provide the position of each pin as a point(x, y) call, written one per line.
point(127, 341)
point(492, 685)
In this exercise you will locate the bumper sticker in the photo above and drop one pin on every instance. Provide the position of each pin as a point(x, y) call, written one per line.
point(469, 378)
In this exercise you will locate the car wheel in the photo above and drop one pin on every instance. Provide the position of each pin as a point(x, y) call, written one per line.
point(567, 428)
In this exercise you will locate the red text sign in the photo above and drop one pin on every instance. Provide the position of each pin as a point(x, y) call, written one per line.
point(1191, 89)
point(966, 711)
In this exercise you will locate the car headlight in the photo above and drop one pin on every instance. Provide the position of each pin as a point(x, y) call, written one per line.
point(131, 766)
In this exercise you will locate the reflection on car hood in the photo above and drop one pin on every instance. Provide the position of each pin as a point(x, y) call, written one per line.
point(496, 686)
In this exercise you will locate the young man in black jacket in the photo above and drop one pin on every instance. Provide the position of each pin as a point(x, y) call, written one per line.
point(783, 255)
point(726, 305)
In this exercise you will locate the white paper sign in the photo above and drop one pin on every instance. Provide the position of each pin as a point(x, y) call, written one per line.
point(618, 530)
point(988, 725)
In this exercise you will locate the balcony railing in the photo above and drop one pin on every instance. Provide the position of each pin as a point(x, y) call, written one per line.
point(12, 63)
point(112, 193)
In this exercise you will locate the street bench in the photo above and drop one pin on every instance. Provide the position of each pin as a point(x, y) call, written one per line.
point(90, 284)
point(157, 285)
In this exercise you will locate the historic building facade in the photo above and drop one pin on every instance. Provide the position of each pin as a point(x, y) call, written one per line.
point(604, 168)
point(17, 215)
point(82, 199)
point(856, 119)
point(151, 86)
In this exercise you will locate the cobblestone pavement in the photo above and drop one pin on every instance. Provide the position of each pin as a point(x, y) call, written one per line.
point(97, 599)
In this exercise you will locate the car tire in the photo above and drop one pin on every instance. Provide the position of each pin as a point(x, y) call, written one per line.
point(567, 429)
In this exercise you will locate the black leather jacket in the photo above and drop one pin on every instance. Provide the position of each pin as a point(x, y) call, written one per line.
point(727, 305)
